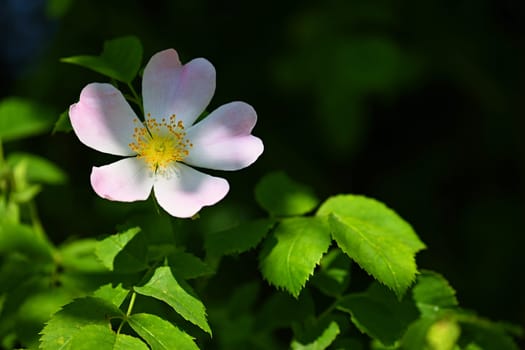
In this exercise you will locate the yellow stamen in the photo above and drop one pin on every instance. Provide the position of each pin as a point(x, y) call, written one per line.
point(161, 144)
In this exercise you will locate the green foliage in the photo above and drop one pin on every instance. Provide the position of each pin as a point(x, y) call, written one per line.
point(379, 313)
point(281, 196)
point(188, 266)
point(120, 59)
point(292, 252)
point(178, 295)
point(375, 237)
point(322, 342)
point(70, 322)
point(122, 252)
point(102, 337)
point(160, 334)
point(20, 118)
point(238, 239)
point(63, 123)
point(37, 169)
point(333, 277)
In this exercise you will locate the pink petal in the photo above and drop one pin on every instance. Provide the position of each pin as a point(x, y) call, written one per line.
point(126, 180)
point(222, 141)
point(103, 120)
point(184, 194)
point(171, 88)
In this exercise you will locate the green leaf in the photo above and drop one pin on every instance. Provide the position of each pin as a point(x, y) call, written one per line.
point(68, 322)
point(63, 123)
point(188, 266)
point(23, 239)
point(115, 295)
point(281, 196)
point(165, 287)
point(378, 313)
point(443, 334)
point(79, 255)
point(238, 239)
point(102, 337)
point(290, 254)
point(161, 334)
point(333, 277)
point(322, 342)
point(432, 293)
point(373, 235)
point(21, 118)
point(38, 169)
point(120, 59)
point(123, 252)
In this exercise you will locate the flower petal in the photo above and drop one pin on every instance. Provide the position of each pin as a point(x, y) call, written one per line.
point(222, 141)
point(186, 193)
point(171, 88)
point(126, 180)
point(103, 120)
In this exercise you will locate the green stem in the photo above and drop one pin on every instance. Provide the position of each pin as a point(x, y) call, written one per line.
point(128, 313)
point(35, 219)
point(136, 97)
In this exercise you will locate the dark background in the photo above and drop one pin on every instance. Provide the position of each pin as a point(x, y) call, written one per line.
point(418, 104)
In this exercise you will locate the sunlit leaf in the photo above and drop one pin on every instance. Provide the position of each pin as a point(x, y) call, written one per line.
point(238, 239)
point(322, 342)
point(161, 334)
point(281, 196)
point(79, 255)
point(375, 237)
point(120, 59)
point(378, 313)
point(165, 287)
point(102, 337)
point(21, 118)
point(292, 252)
point(69, 321)
point(114, 294)
point(123, 252)
point(38, 169)
point(432, 293)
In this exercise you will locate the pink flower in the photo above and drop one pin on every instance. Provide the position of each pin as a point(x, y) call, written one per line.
point(161, 150)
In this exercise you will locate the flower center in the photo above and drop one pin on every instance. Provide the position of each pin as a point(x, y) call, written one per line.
point(160, 144)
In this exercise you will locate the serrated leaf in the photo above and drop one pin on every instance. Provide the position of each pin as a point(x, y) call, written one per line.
point(161, 334)
point(23, 239)
point(165, 287)
point(38, 169)
point(120, 59)
point(238, 239)
point(322, 342)
point(63, 123)
point(374, 236)
point(188, 266)
point(115, 295)
point(432, 293)
point(123, 252)
point(281, 196)
point(378, 313)
point(292, 252)
point(69, 321)
point(21, 118)
point(102, 337)
point(333, 277)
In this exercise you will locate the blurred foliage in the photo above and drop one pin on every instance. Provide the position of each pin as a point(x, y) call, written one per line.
point(418, 104)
